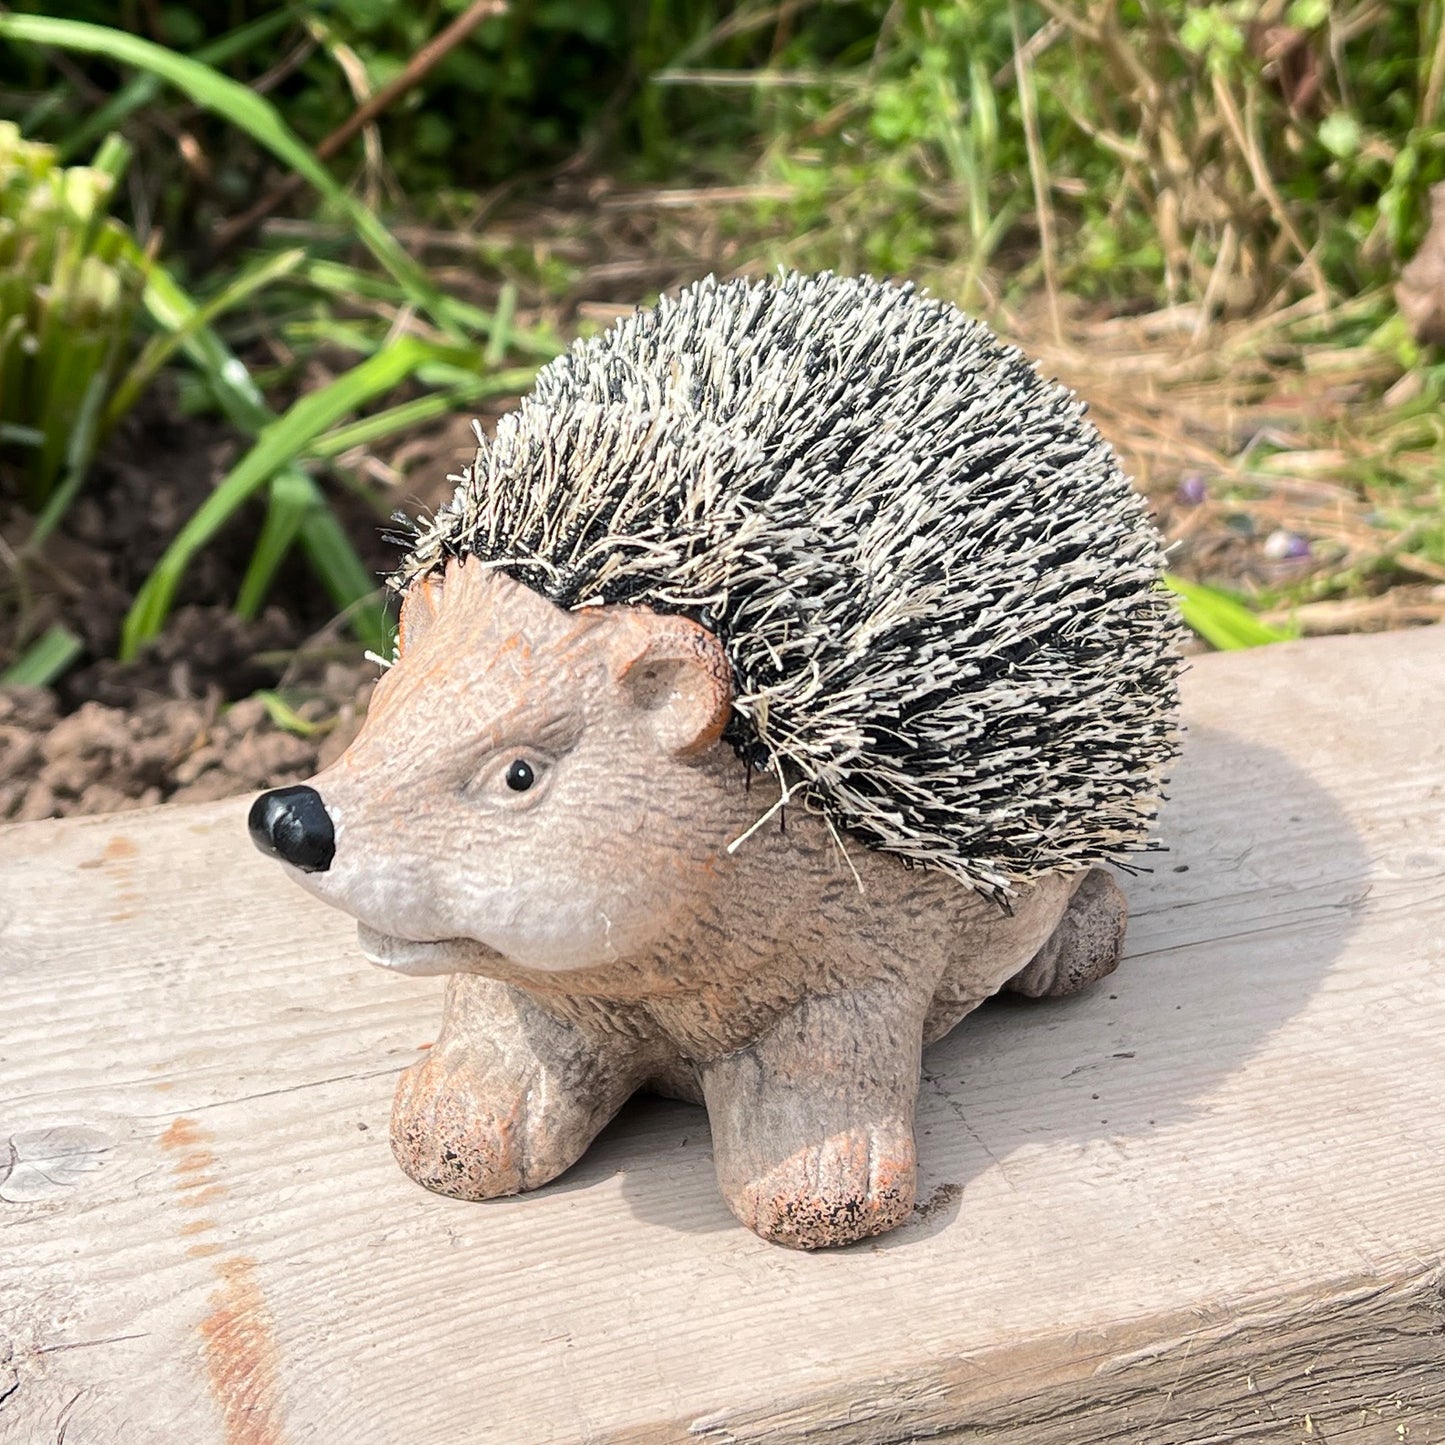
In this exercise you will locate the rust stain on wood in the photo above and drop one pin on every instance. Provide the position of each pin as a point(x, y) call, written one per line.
point(116, 851)
point(199, 1198)
point(182, 1134)
point(242, 1358)
point(188, 1139)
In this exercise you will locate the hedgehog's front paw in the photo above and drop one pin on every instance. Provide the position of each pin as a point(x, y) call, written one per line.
point(457, 1132)
point(509, 1096)
point(856, 1183)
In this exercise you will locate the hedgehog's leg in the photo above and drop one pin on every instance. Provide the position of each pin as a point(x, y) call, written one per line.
point(1086, 945)
point(812, 1125)
point(510, 1095)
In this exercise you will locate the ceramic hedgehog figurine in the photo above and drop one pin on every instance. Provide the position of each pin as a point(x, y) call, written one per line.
point(765, 699)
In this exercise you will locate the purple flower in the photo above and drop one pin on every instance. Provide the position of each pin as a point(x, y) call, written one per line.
point(1282, 546)
point(1192, 490)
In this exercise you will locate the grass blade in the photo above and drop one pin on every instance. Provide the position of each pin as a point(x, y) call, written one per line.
point(348, 284)
point(257, 117)
point(298, 507)
point(285, 716)
point(1220, 620)
point(44, 660)
point(501, 336)
point(142, 89)
point(159, 349)
point(277, 445)
point(351, 586)
point(425, 408)
point(83, 436)
point(292, 495)
point(235, 392)
point(327, 547)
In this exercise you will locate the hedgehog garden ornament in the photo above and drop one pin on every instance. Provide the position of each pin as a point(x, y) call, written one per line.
point(764, 701)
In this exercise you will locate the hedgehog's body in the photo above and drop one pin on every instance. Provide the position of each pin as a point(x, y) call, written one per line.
point(756, 571)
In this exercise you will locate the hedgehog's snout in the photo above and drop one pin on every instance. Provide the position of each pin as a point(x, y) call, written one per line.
point(292, 824)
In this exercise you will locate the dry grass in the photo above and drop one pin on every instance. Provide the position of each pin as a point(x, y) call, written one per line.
point(1280, 465)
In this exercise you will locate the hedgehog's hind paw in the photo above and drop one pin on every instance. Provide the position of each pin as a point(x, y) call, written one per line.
point(1085, 947)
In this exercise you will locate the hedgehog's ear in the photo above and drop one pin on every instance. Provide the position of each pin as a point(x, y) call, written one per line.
point(419, 607)
point(678, 673)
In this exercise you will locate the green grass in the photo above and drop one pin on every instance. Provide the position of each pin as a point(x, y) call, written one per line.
point(1224, 622)
point(1170, 156)
point(46, 659)
point(70, 283)
point(259, 119)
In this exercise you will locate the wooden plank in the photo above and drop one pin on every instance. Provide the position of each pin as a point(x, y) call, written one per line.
point(1205, 1201)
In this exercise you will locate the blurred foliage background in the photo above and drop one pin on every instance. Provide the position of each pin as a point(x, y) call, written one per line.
point(1167, 144)
point(341, 224)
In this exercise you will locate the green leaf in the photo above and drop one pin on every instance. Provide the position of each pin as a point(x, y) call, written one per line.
point(293, 494)
point(44, 660)
point(1308, 14)
point(257, 117)
point(231, 384)
point(159, 349)
point(327, 546)
point(1340, 134)
point(79, 454)
point(285, 716)
point(348, 284)
point(278, 444)
point(1219, 619)
point(1210, 31)
point(68, 295)
point(352, 587)
point(501, 337)
point(371, 429)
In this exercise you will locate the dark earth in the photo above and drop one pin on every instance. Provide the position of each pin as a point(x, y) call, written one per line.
point(183, 722)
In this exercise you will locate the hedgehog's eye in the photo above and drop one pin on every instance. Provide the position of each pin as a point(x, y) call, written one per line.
point(512, 780)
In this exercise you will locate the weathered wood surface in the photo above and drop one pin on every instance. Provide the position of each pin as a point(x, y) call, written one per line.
point(1204, 1202)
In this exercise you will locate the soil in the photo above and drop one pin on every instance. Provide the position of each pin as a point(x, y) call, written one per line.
point(188, 739)
point(184, 721)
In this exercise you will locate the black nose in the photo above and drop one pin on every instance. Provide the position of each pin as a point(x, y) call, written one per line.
point(292, 824)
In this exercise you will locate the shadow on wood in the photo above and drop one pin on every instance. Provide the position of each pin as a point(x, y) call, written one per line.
point(1254, 902)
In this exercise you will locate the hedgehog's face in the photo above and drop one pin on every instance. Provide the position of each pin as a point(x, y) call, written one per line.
point(525, 784)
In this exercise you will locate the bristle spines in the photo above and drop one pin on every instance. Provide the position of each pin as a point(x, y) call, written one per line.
point(937, 590)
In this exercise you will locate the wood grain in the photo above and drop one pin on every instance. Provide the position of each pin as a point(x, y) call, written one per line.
point(1205, 1201)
